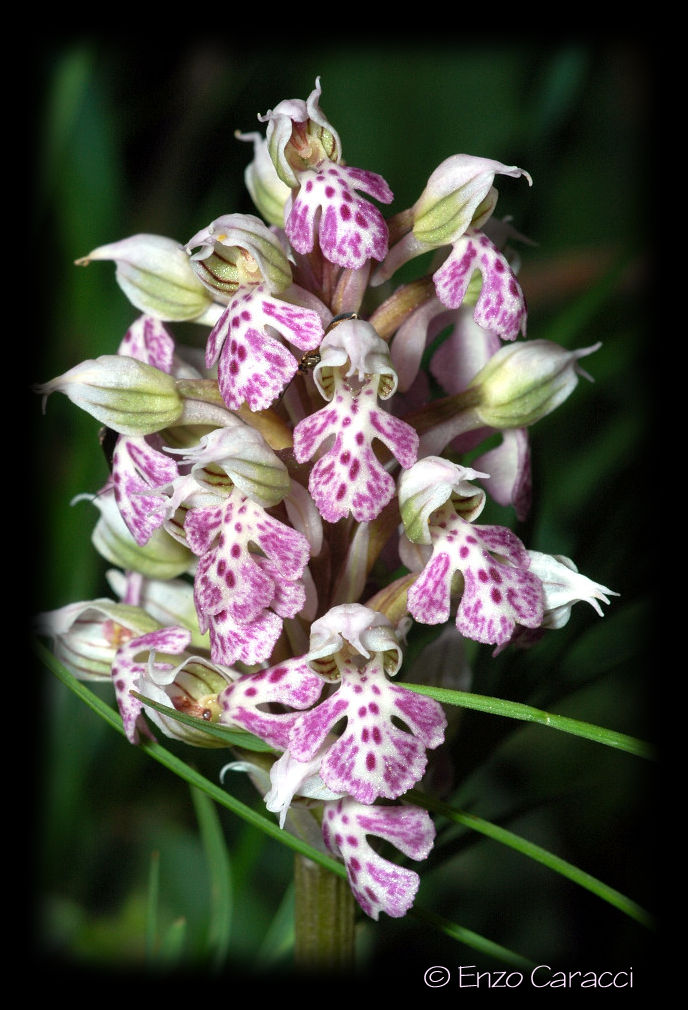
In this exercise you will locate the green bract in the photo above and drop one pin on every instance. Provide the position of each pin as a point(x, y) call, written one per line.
point(155, 275)
point(125, 394)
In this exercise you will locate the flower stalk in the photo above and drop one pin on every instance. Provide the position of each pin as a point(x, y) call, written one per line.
point(324, 917)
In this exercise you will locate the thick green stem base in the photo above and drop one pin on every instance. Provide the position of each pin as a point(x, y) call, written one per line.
point(323, 919)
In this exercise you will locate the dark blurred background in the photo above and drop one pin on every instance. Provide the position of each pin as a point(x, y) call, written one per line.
point(134, 136)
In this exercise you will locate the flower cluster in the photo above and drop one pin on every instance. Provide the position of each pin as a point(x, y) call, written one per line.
point(285, 505)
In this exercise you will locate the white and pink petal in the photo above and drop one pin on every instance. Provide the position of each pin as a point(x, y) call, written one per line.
point(350, 229)
point(147, 340)
point(250, 701)
point(254, 365)
point(132, 662)
point(378, 884)
point(500, 306)
point(373, 757)
point(139, 473)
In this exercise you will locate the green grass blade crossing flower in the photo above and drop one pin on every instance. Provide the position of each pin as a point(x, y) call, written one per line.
point(526, 713)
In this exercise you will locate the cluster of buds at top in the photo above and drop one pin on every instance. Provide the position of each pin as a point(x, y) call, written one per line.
point(264, 492)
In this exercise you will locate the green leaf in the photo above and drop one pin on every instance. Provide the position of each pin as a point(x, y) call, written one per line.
point(152, 899)
point(221, 891)
point(526, 713)
point(539, 854)
point(473, 940)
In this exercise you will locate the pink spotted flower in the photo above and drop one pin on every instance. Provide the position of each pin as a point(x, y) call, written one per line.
point(348, 478)
point(325, 201)
point(240, 259)
point(499, 590)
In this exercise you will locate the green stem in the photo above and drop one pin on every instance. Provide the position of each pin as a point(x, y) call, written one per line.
point(323, 919)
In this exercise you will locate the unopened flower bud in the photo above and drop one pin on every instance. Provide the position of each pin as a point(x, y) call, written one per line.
point(267, 190)
point(237, 251)
point(458, 194)
point(161, 557)
point(525, 381)
point(86, 636)
point(126, 395)
point(155, 275)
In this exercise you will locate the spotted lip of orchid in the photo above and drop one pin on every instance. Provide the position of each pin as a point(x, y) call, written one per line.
point(499, 591)
point(377, 884)
point(351, 231)
point(382, 753)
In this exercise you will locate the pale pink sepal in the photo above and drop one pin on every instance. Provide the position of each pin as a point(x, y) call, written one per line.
point(353, 626)
point(509, 467)
point(465, 351)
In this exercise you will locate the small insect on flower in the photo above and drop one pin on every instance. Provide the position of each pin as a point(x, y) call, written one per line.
point(312, 358)
point(308, 361)
point(336, 320)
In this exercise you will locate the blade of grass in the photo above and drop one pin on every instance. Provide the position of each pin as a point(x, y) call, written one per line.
point(526, 713)
point(230, 737)
point(186, 772)
point(473, 940)
point(151, 935)
point(219, 866)
point(172, 946)
point(539, 854)
point(279, 938)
